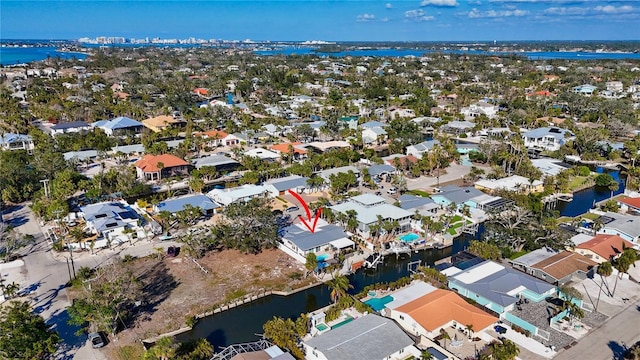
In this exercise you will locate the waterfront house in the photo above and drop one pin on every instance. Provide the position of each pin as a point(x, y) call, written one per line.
point(280, 186)
point(547, 138)
point(70, 127)
point(119, 126)
point(156, 167)
point(440, 309)
point(629, 204)
point(602, 247)
point(418, 150)
point(162, 122)
point(298, 240)
point(177, 204)
point(625, 226)
point(556, 268)
point(515, 183)
point(458, 195)
point(422, 205)
point(246, 192)
point(370, 209)
point(501, 290)
point(10, 141)
point(370, 337)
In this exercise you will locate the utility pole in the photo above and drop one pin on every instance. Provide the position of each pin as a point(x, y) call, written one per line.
point(45, 182)
point(57, 213)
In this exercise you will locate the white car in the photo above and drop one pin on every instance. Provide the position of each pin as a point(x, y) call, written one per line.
point(392, 191)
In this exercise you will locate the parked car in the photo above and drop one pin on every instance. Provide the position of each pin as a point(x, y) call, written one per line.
point(392, 191)
point(500, 329)
point(97, 340)
point(292, 209)
point(378, 193)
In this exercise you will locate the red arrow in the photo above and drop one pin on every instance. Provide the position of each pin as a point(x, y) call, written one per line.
point(306, 208)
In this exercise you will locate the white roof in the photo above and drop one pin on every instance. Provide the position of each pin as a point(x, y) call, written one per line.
point(479, 272)
point(369, 215)
point(228, 196)
point(450, 271)
point(410, 293)
point(580, 238)
point(511, 183)
point(342, 243)
point(262, 153)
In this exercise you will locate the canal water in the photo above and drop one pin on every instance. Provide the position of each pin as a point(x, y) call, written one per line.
point(585, 199)
point(241, 324)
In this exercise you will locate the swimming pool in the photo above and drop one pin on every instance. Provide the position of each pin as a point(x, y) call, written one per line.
point(378, 304)
point(322, 257)
point(343, 322)
point(409, 237)
point(322, 327)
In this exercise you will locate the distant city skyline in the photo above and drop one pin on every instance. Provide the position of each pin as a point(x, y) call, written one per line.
point(338, 20)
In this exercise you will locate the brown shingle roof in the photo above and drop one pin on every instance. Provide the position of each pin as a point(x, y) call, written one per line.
point(564, 264)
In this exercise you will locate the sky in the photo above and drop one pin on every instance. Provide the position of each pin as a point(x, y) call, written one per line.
point(337, 20)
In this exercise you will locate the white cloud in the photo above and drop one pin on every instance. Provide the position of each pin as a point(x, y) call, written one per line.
point(476, 14)
point(566, 11)
point(389, 6)
point(475, 2)
point(365, 17)
point(417, 15)
point(610, 9)
point(444, 3)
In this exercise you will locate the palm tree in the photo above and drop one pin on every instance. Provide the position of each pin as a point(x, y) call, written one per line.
point(623, 263)
point(604, 270)
point(445, 336)
point(613, 187)
point(339, 286)
point(470, 330)
point(507, 350)
point(425, 355)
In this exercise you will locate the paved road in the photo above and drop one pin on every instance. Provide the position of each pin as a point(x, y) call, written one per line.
point(46, 276)
point(609, 341)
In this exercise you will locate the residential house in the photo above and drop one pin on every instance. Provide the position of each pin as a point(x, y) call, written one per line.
point(554, 267)
point(119, 126)
point(547, 138)
point(324, 146)
point(458, 195)
point(498, 289)
point(380, 170)
point(280, 186)
point(295, 148)
point(400, 161)
point(326, 174)
point(585, 89)
point(298, 241)
point(246, 192)
point(629, 204)
point(441, 309)
point(245, 352)
point(457, 127)
point(262, 154)
point(156, 167)
point(422, 205)
point(177, 204)
point(111, 220)
point(82, 155)
point(374, 135)
point(515, 183)
point(215, 138)
point(223, 164)
point(480, 108)
point(625, 226)
point(370, 337)
point(614, 86)
point(11, 141)
point(162, 122)
point(550, 167)
point(420, 149)
point(371, 209)
point(70, 127)
point(602, 247)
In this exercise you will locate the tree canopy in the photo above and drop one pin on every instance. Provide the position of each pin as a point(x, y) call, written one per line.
point(25, 335)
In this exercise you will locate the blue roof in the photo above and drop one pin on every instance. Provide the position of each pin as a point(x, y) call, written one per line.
point(9, 138)
point(196, 200)
point(307, 240)
point(119, 123)
point(372, 124)
point(289, 182)
point(379, 169)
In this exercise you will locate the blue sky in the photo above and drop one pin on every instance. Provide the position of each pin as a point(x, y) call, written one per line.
point(348, 20)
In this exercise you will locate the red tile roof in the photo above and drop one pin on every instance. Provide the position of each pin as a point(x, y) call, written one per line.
point(439, 307)
point(632, 202)
point(149, 163)
point(284, 148)
point(605, 245)
point(213, 134)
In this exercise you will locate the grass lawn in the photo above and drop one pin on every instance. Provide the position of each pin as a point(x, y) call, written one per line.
point(518, 254)
point(590, 216)
point(418, 193)
point(578, 181)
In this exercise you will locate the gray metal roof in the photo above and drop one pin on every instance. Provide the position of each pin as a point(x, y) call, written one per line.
point(410, 202)
point(627, 224)
point(496, 286)
point(306, 240)
point(554, 132)
point(289, 182)
point(375, 170)
point(69, 125)
point(459, 195)
point(213, 160)
point(535, 256)
point(369, 337)
point(196, 200)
